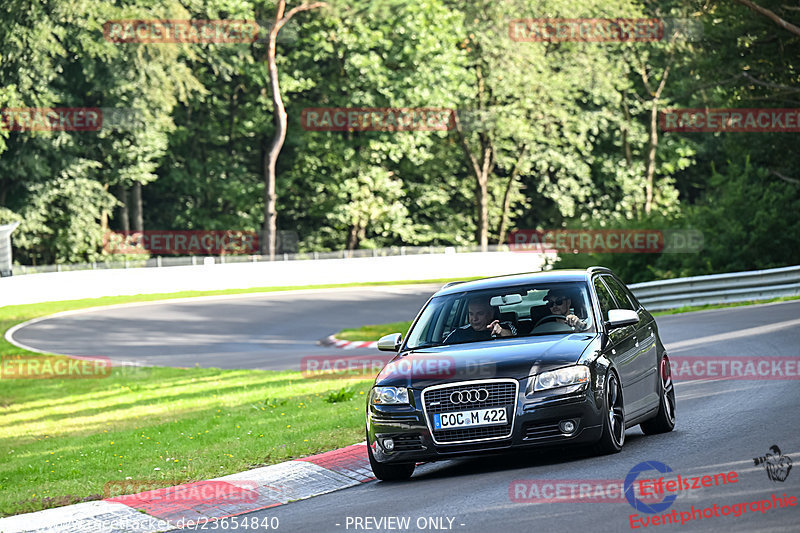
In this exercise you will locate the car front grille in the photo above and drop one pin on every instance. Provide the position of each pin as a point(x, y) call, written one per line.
point(502, 393)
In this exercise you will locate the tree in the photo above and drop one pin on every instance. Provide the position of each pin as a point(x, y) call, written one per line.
point(544, 108)
point(374, 188)
point(271, 157)
point(772, 16)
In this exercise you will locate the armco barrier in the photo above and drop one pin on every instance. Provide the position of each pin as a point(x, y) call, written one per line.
point(412, 264)
point(134, 261)
point(74, 285)
point(719, 288)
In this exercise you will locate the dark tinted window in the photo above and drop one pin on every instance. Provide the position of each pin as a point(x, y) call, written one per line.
point(632, 298)
point(606, 301)
point(623, 302)
point(448, 314)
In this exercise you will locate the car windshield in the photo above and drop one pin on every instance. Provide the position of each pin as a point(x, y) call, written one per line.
point(521, 310)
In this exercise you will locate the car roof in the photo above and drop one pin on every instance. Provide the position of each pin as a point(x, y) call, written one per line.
point(550, 276)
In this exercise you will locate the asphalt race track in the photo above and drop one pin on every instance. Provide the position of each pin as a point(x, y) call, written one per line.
point(722, 425)
point(270, 331)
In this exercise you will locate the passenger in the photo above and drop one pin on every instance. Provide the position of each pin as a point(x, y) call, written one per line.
point(559, 302)
point(481, 325)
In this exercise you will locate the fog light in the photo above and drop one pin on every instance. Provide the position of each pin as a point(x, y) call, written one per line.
point(567, 426)
point(388, 444)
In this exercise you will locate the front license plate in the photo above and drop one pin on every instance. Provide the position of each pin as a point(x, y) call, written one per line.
point(466, 419)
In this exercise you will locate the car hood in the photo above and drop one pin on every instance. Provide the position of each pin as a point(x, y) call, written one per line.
point(499, 358)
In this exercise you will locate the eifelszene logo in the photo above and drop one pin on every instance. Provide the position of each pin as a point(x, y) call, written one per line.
point(638, 504)
point(776, 464)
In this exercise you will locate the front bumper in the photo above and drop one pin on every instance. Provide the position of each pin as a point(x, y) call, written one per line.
point(535, 423)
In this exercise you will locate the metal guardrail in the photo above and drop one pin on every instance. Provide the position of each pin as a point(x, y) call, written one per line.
point(719, 288)
point(655, 295)
point(167, 261)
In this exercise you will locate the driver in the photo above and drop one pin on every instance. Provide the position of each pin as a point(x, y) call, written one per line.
point(481, 325)
point(559, 302)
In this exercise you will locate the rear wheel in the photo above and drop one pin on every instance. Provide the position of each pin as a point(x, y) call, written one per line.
point(664, 420)
point(613, 436)
point(389, 472)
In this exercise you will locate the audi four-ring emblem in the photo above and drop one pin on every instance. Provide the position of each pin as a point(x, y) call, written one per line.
point(468, 396)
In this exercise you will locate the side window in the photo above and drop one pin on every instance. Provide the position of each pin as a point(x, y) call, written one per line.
point(606, 301)
point(619, 293)
point(632, 298)
point(451, 317)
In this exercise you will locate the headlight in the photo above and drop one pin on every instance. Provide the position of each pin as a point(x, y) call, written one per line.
point(389, 395)
point(571, 375)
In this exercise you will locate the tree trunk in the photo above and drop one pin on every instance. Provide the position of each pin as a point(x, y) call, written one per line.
point(651, 157)
point(653, 144)
point(354, 236)
point(481, 171)
point(124, 215)
point(482, 197)
point(138, 221)
point(501, 232)
point(271, 157)
point(626, 145)
point(233, 106)
point(104, 215)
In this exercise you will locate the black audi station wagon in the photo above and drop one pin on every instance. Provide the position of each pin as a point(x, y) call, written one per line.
point(520, 361)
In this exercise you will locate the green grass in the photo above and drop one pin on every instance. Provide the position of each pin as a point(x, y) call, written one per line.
point(375, 331)
point(14, 314)
point(61, 440)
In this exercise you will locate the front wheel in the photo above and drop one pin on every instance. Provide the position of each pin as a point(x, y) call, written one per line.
point(613, 436)
point(389, 472)
point(664, 420)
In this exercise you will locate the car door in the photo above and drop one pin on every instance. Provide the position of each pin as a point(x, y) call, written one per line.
point(644, 358)
point(620, 347)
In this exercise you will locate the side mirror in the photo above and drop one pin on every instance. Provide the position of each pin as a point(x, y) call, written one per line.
point(390, 343)
point(619, 318)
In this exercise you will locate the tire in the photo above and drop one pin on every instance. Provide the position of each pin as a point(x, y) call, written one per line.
point(664, 420)
point(613, 436)
point(389, 472)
